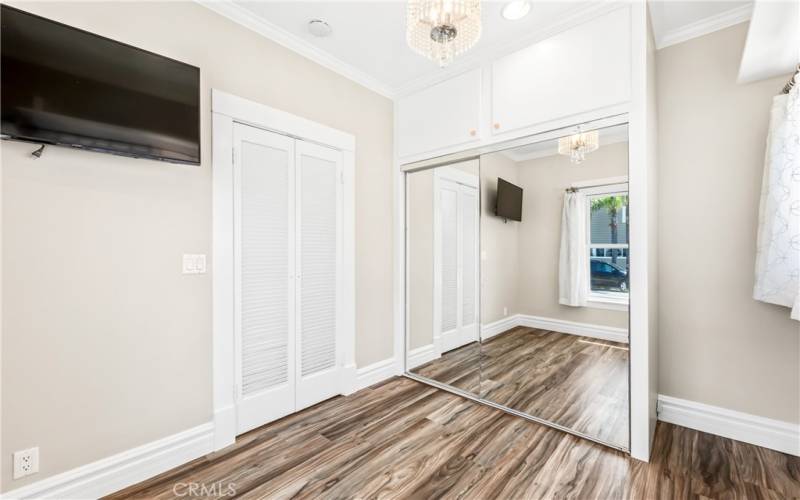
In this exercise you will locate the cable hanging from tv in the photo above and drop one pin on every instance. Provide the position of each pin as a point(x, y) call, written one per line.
point(38, 153)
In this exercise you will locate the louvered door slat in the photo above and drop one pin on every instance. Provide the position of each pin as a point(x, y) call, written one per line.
point(265, 267)
point(449, 252)
point(317, 193)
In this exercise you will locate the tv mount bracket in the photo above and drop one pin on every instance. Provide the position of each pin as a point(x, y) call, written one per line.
point(38, 153)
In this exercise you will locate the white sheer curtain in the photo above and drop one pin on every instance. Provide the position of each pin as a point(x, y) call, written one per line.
point(778, 248)
point(573, 267)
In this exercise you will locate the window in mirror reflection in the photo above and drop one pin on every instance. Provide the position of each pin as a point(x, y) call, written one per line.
point(608, 245)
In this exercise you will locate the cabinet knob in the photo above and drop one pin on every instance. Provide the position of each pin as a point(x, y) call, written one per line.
point(472, 132)
point(496, 126)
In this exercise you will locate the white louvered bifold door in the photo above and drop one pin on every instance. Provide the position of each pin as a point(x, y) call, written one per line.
point(448, 258)
point(469, 213)
point(456, 259)
point(319, 242)
point(264, 255)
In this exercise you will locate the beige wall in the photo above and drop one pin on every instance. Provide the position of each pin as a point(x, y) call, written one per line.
point(544, 181)
point(106, 345)
point(716, 344)
point(419, 189)
point(499, 243)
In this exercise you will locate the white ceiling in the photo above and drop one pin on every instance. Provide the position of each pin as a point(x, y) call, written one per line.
point(368, 40)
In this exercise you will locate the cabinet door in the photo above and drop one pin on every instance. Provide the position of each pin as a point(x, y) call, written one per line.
point(447, 261)
point(455, 260)
point(264, 250)
point(469, 220)
point(582, 69)
point(319, 244)
point(444, 115)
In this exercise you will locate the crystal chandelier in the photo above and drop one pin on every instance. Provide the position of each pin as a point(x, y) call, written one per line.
point(576, 146)
point(443, 29)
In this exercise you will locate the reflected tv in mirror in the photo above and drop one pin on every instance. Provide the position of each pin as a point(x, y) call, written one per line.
point(509, 200)
point(65, 86)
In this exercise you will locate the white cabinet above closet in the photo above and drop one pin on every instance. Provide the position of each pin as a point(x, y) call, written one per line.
point(582, 69)
point(446, 114)
point(579, 74)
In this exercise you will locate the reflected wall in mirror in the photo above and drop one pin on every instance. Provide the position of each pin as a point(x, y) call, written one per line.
point(554, 282)
point(442, 218)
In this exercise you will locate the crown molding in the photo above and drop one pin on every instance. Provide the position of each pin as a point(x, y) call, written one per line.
point(704, 26)
point(247, 19)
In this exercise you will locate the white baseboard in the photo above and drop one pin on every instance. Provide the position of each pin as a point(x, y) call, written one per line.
point(422, 355)
point(489, 330)
point(119, 471)
point(376, 372)
point(574, 328)
point(124, 469)
point(760, 431)
point(556, 325)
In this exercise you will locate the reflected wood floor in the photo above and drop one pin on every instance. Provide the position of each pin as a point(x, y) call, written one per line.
point(403, 439)
point(577, 382)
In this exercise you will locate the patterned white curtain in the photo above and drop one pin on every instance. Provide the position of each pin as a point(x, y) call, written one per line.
point(573, 262)
point(778, 248)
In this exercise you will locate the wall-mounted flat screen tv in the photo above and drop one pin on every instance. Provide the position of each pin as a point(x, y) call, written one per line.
point(509, 200)
point(64, 86)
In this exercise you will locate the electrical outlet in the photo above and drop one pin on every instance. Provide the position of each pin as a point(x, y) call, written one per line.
point(26, 462)
point(505, 311)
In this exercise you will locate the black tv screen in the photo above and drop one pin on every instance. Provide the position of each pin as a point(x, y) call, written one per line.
point(64, 86)
point(509, 200)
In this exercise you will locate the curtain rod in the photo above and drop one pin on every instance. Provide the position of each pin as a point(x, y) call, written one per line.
point(792, 81)
point(575, 189)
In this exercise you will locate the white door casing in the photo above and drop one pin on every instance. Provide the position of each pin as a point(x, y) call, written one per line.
point(228, 112)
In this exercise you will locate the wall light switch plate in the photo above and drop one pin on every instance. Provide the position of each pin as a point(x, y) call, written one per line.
point(194, 263)
point(26, 462)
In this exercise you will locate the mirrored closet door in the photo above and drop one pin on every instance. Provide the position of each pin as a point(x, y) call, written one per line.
point(443, 272)
point(549, 257)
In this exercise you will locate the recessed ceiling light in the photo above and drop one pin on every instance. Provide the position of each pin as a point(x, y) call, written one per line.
point(318, 27)
point(517, 9)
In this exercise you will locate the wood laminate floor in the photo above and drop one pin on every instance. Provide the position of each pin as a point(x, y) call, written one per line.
point(577, 382)
point(403, 439)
